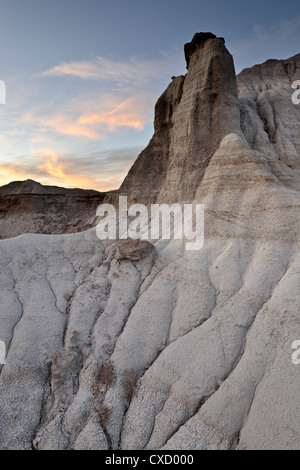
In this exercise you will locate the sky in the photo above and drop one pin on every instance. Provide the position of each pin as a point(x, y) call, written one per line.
point(82, 76)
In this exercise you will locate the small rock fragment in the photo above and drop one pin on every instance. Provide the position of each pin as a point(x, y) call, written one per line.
point(133, 250)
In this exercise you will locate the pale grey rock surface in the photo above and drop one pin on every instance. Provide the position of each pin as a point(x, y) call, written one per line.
point(176, 350)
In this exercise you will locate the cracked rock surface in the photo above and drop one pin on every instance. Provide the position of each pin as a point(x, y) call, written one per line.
point(177, 349)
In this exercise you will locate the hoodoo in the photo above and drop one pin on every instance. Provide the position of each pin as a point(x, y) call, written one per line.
point(191, 118)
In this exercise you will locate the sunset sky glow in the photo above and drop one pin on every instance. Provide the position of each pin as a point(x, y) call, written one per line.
point(82, 77)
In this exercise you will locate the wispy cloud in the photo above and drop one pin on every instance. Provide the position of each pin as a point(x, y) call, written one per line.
point(17, 171)
point(91, 119)
point(133, 72)
point(101, 170)
point(61, 173)
point(129, 113)
point(277, 41)
point(61, 125)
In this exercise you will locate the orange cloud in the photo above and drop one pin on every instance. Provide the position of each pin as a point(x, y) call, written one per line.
point(126, 114)
point(62, 125)
point(12, 172)
point(51, 172)
point(93, 125)
point(59, 173)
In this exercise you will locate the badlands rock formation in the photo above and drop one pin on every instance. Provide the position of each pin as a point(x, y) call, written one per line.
point(33, 187)
point(192, 117)
point(178, 349)
point(29, 207)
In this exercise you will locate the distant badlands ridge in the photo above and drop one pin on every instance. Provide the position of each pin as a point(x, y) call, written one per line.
point(29, 207)
point(30, 186)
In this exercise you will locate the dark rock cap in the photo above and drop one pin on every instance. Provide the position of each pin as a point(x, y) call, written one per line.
point(198, 38)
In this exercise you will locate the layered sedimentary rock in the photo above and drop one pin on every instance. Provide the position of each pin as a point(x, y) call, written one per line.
point(191, 118)
point(29, 207)
point(178, 349)
point(269, 120)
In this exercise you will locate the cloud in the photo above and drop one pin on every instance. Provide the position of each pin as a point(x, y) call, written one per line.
point(125, 99)
point(101, 170)
point(92, 119)
point(128, 113)
point(17, 171)
point(62, 174)
point(277, 41)
point(133, 71)
point(60, 124)
point(105, 162)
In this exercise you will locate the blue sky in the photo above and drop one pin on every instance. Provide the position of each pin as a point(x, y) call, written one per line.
point(82, 77)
